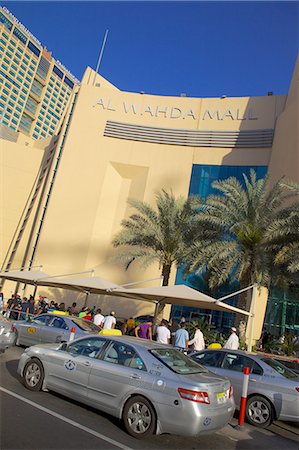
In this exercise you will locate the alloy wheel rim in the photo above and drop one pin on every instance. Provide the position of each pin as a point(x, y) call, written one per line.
point(139, 418)
point(259, 412)
point(33, 374)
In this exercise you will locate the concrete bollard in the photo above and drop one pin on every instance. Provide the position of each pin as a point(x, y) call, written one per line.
point(244, 396)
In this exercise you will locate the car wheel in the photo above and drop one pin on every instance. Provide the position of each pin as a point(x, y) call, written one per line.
point(139, 417)
point(33, 375)
point(259, 411)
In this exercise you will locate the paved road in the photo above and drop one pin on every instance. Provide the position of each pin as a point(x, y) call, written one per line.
point(39, 420)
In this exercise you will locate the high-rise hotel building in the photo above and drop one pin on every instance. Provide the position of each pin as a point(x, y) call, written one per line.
point(34, 88)
point(63, 197)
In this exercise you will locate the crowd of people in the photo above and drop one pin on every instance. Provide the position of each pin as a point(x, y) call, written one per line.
point(165, 333)
point(175, 334)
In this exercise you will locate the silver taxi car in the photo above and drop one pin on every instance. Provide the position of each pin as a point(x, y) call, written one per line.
point(7, 334)
point(49, 327)
point(152, 387)
point(273, 389)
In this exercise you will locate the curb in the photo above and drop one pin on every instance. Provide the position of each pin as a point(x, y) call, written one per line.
point(285, 426)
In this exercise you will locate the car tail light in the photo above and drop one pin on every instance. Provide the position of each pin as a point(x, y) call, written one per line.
point(231, 391)
point(297, 389)
point(13, 328)
point(194, 396)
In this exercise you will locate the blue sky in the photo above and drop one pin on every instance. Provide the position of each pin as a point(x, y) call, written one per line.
point(203, 49)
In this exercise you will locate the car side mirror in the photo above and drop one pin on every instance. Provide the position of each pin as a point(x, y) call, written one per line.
point(63, 346)
point(29, 319)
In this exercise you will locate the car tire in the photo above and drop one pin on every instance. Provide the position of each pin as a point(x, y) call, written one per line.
point(259, 411)
point(33, 375)
point(139, 417)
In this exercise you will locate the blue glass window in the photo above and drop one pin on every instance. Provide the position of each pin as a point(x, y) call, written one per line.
point(33, 48)
point(68, 82)
point(5, 21)
point(20, 35)
point(25, 123)
point(58, 72)
point(201, 181)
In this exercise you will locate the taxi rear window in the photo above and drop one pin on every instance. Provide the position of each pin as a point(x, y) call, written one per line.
point(177, 361)
point(280, 368)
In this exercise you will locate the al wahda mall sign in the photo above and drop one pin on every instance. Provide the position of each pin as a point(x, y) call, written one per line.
point(175, 112)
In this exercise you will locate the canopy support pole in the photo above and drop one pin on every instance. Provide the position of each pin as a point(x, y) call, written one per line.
point(252, 310)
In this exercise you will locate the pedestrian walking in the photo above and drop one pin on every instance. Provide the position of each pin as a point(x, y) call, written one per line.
point(198, 341)
point(109, 322)
point(144, 330)
point(181, 337)
point(163, 333)
point(233, 341)
point(129, 327)
point(98, 318)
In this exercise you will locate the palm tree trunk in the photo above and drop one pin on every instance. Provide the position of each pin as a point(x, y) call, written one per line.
point(166, 269)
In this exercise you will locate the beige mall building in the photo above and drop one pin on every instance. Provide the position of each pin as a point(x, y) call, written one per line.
point(63, 197)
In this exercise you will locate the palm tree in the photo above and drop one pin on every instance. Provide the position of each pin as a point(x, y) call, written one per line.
point(159, 235)
point(240, 247)
point(283, 236)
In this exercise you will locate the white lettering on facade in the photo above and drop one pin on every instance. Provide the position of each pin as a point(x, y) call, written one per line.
point(189, 113)
point(130, 107)
point(251, 115)
point(211, 115)
point(228, 113)
point(109, 106)
point(100, 102)
point(162, 111)
point(174, 112)
point(148, 110)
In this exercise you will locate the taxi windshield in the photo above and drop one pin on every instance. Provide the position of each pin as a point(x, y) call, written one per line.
point(177, 361)
point(86, 325)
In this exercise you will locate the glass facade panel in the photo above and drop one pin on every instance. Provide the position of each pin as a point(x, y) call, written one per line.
point(33, 48)
point(58, 72)
point(31, 105)
point(36, 88)
point(20, 35)
point(282, 313)
point(25, 123)
point(5, 21)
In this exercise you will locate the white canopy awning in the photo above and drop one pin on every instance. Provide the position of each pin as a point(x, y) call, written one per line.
point(92, 285)
point(178, 294)
point(24, 276)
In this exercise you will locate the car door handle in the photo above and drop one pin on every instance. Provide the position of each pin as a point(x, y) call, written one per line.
point(135, 376)
point(252, 379)
point(86, 363)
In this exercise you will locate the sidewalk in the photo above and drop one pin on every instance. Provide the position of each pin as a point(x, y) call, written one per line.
point(278, 436)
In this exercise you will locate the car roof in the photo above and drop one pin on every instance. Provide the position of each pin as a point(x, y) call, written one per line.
point(138, 342)
point(63, 316)
point(237, 352)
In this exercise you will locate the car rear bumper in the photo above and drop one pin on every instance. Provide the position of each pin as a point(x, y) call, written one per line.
point(7, 340)
point(191, 420)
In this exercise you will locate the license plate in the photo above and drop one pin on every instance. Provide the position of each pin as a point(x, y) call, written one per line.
point(221, 397)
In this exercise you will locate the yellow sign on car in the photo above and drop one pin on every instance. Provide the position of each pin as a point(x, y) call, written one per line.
point(31, 330)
